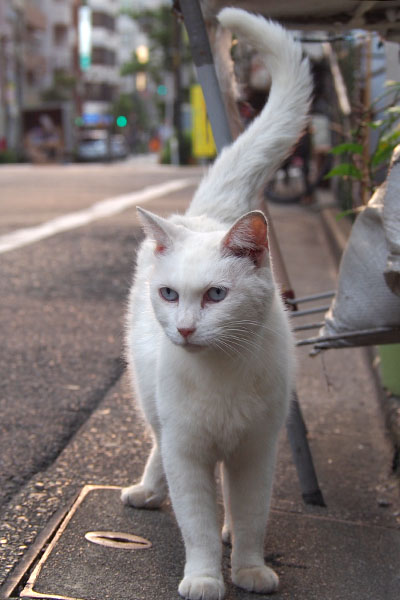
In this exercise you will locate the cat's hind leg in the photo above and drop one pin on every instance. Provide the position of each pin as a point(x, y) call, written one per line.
point(152, 490)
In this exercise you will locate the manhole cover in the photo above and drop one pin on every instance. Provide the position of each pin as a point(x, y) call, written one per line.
point(117, 539)
point(95, 552)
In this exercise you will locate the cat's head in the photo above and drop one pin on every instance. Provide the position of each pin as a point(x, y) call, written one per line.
point(209, 289)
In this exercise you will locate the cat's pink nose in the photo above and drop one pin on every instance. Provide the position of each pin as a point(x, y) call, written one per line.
point(186, 332)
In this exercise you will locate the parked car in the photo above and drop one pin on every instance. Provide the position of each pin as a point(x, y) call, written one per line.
point(119, 147)
point(94, 146)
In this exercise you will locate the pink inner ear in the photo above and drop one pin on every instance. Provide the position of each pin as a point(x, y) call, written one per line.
point(248, 237)
point(260, 230)
point(160, 249)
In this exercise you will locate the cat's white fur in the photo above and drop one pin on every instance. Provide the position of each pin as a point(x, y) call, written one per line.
point(214, 378)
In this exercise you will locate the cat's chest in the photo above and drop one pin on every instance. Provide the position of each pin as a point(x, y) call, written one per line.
point(214, 405)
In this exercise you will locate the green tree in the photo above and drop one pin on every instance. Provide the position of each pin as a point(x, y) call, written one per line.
point(168, 51)
point(159, 26)
point(62, 88)
point(133, 108)
point(359, 163)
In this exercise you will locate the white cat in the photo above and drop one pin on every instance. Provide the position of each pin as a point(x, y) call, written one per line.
point(209, 345)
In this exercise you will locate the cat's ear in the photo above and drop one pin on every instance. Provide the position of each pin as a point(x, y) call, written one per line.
point(158, 229)
point(248, 237)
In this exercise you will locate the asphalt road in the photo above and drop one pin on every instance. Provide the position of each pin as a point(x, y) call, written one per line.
point(62, 305)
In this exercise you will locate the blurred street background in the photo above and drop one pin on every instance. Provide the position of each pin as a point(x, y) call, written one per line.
point(97, 80)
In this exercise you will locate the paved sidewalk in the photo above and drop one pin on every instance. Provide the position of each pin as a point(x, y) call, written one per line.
point(348, 550)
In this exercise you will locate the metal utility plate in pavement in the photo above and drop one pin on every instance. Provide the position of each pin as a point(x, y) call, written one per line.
point(134, 554)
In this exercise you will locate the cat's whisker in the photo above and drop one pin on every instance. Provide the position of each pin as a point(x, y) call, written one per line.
point(248, 335)
point(249, 346)
point(250, 342)
point(240, 349)
point(245, 329)
point(248, 325)
point(244, 344)
point(258, 325)
point(221, 345)
point(225, 340)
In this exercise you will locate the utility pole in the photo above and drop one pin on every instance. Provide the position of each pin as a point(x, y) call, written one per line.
point(4, 126)
point(19, 46)
point(177, 73)
point(76, 63)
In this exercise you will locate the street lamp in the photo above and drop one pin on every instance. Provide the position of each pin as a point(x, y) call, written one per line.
point(142, 54)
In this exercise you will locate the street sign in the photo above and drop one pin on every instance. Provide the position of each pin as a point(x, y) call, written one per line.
point(85, 37)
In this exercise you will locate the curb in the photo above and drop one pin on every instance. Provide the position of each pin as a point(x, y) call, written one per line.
point(337, 233)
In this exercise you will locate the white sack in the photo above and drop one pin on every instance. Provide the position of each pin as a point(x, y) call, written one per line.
point(364, 300)
point(391, 220)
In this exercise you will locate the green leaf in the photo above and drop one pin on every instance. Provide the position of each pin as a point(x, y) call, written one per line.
point(351, 147)
point(349, 211)
point(382, 154)
point(375, 124)
point(389, 138)
point(390, 83)
point(394, 110)
point(344, 170)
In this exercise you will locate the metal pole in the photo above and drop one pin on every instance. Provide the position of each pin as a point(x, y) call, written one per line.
point(177, 105)
point(203, 60)
point(297, 435)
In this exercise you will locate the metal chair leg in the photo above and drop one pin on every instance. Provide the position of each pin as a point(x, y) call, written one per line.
point(297, 434)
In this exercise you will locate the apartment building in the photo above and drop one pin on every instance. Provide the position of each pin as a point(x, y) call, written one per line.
point(39, 40)
point(115, 36)
point(59, 38)
point(22, 63)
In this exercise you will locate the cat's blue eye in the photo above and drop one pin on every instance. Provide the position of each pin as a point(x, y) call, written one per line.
point(169, 294)
point(216, 294)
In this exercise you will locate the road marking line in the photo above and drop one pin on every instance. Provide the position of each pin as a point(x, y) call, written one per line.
point(99, 210)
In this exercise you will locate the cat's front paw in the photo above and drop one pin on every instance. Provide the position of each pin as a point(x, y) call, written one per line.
point(140, 496)
point(196, 587)
point(260, 579)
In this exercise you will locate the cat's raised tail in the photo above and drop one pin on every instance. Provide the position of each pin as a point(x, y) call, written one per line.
point(231, 186)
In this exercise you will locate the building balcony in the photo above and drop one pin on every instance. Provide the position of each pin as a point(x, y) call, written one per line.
point(61, 58)
point(102, 74)
point(61, 12)
point(105, 6)
point(34, 63)
point(34, 17)
point(105, 38)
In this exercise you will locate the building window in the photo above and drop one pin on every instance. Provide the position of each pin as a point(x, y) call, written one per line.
point(100, 92)
point(31, 78)
point(100, 19)
point(60, 35)
point(103, 56)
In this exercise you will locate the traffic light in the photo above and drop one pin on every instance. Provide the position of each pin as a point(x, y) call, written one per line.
point(162, 90)
point(122, 121)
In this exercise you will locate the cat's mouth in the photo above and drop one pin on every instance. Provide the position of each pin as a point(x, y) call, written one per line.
point(190, 346)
